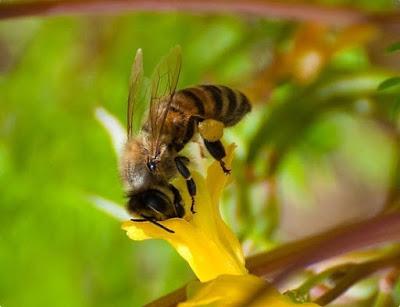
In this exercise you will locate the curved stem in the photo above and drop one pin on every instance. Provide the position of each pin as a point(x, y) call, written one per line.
point(171, 299)
point(264, 8)
point(285, 260)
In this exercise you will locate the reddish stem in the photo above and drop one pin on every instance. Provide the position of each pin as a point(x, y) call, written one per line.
point(170, 300)
point(284, 260)
point(264, 8)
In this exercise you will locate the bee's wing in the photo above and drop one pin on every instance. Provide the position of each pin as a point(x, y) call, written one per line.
point(163, 86)
point(137, 98)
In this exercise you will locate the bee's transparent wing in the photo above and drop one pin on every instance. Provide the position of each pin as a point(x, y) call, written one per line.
point(163, 85)
point(138, 97)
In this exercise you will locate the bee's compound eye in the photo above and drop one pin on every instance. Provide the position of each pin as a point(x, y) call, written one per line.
point(151, 166)
point(156, 201)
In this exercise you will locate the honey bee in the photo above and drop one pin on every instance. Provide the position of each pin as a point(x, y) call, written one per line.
point(151, 158)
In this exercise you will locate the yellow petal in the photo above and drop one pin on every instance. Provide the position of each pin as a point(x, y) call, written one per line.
point(231, 290)
point(202, 239)
point(207, 258)
point(216, 182)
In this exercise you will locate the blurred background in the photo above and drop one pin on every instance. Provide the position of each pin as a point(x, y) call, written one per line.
point(321, 146)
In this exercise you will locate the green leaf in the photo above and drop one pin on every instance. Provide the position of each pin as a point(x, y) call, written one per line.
point(393, 48)
point(388, 83)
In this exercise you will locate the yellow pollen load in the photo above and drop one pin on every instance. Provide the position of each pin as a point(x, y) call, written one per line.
point(211, 130)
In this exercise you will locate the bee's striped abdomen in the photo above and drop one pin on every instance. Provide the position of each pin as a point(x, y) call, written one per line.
point(213, 101)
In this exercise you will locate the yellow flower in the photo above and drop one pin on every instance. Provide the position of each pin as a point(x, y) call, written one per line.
point(210, 247)
point(228, 290)
point(202, 239)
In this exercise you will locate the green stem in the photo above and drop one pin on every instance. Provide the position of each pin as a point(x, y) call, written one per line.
point(358, 272)
point(304, 289)
point(384, 297)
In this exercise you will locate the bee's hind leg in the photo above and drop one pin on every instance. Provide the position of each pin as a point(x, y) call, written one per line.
point(181, 162)
point(211, 131)
point(217, 151)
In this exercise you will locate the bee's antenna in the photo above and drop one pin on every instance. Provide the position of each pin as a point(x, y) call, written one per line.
point(147, 219)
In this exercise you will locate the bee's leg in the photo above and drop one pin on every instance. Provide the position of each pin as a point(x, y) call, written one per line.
point(184, 171)
point(202, 150)
point(217, 151)
point(184, 159)
point(177, 201)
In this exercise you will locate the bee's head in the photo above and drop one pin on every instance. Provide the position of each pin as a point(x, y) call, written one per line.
point(161, 161)
point(146, 177)
point(141, 170)
point(154, 204)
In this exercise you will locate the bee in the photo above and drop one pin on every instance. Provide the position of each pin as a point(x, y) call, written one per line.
point(151, 157)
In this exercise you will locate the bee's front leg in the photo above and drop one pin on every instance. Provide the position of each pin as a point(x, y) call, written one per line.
point(185, 172)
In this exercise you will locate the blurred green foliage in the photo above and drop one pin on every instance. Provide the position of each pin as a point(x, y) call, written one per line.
point(56, 249)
